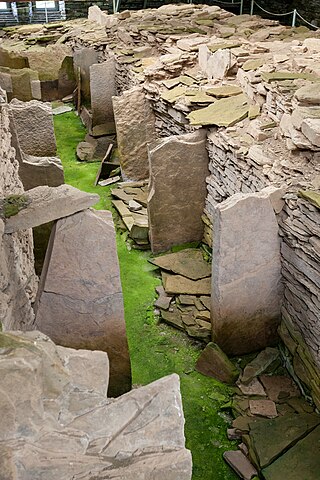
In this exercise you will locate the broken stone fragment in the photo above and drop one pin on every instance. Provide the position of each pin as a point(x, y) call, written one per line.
point(225, 112)
point(188, 263)
point(279, 387)
point(240, 464)
point(134, 206)
point(46, 204)
point(85, 151)
point(177, 285)
point(263, 408)
point(254, 388)
point(213, 362)
point(310, 127)
point(164, 300)
point(265, 361)
point(79, 302)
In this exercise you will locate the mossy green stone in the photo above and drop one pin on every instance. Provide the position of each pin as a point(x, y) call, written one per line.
point(13, 204)
point(223, 113)
point(224, 91)
point(280, 76)
point(172, 95)
point(252, 64)
point(311, 196)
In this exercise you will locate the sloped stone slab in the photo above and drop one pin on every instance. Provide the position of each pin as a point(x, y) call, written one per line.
point(240, 464)
point(79, 302)
point(188, 263)
point(310, 196)
point(264, 361)
point(271, 438)
point(213, 362)
point(46, 204)
point(177, 285)
point(223, 113)
point(301, 461)
point(279, 387)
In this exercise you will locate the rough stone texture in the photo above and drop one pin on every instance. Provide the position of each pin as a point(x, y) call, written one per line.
point(72, 430)
point(37, 171)
point(83, 58)
point(34, 126)
point(264, 362)
point(135, 125)
point(240, 464)
point(47, 204)
point(177, 285)
point(188, 263)
point(18, 282)
point(213, 362)
point(246, 279)
point(79, 302)
point(178, 170)
point(103, 88)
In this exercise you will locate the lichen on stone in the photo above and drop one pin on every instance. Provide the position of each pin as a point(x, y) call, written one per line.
point(12, 205)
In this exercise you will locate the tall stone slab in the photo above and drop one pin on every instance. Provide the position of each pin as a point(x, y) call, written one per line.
point(83, 58)
point(135, 125)
point(246, 274)
point(103, 88)
point(33, 123)
point(79, 303)
point(177, 191)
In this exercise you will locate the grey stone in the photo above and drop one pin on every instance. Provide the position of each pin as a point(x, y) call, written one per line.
point(47, 204)
point(178, 171)
point(246, 291)
point(79, 302)
point(34, 127)
point(83, 58)
point(213, 362)
point(85, 151)
point(37, 171)
point(311, 129)
point(135, 125)
point(188, 263)
point(264, 362)
point(309, 94)
point(103, 88)
point(62, 425)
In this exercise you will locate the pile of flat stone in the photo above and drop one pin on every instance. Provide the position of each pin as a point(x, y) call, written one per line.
point(130, 201)
point(184, 298)
point(276, 426)
point(59, 421)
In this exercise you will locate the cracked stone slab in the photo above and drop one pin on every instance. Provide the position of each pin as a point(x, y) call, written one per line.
point(72, 430)
point(188, 263)
point(46, 204)
point(79, 302)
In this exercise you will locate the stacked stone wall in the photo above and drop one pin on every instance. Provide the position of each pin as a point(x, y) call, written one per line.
point(17, 276)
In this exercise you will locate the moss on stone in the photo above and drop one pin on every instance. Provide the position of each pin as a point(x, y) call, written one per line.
point(13, 204)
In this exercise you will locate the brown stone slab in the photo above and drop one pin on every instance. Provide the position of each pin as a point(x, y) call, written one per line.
point(176, 285)
point(213, 362)
point(240, 464)
point(263, 408)
point(279, 387)
point(188, 263)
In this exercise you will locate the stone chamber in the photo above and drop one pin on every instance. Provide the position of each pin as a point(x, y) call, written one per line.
point(203, 130)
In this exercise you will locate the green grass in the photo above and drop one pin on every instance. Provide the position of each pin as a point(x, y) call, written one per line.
point(156, 349)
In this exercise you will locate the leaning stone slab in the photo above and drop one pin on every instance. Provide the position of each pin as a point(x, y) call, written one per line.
point(79, 302)
point(213, 362)
point(178, 171)
point(102, 88)
point(265, 361)
point(246, 274)
point(58, 422)
point(177, 285)
point(37, 171)
point(188, 263)
point(34, 126)
point(240, 464)
point(49, 203)
point(301, 461)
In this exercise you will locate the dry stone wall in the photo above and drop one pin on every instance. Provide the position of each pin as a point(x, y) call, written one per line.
point(18, 281)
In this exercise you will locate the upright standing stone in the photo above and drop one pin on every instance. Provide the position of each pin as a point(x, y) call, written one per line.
point(33, 123)
point(246, 276)
point(83, 59)
point(79, 303)
point(135, 125)
point(103, 88)
point(178, 171)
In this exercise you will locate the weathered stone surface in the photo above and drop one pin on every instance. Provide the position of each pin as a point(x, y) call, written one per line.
point(79, 303)
point(279, 387)
point(299, 461)
point(135, 125)
point(310, 127)
point(83, 59)
point(309, 94)
point(240, 464)
point(47, 204)
point(213, 362)
point(254, 388)
point(223, 113)
point(246, 291)
point(224, 91)
point(178, 170)
point(263, 408)
point(164, 300)
point(311, 196)
point(264, 362)
point(37, 171)
point(103, 88)
point(34, 126)
point(72, 429)
point(177, 285)
point(188, 263)
point(85, 151)
point(271, 438)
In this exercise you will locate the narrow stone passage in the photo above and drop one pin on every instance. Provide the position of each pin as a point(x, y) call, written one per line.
point(156, 349)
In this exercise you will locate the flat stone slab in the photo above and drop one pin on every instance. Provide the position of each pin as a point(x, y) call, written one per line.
point(164, 300)
point(177, 285)
point(188, 263)
point(240, 464)
point(223, 113)
point(254, 388)
point(301, 462)
point(310, 196)
point(263, 361)
point(263, 408)
point(62, 425)
point(270, 438)
point(279, 387)
point(79, 302)
point(46, 204)
point(62, 109)
point(213, 362)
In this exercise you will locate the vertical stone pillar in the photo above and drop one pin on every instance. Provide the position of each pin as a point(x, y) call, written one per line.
point(246, 274)
point(103, 88)
point(178, 171)
point(135, 125)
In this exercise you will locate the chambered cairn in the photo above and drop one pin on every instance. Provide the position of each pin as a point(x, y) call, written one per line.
point(216, 120)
